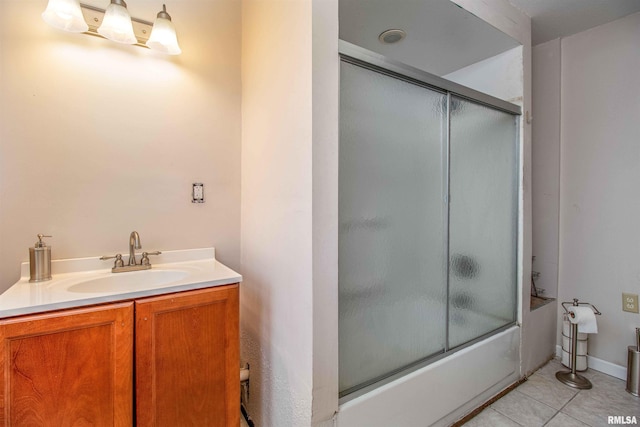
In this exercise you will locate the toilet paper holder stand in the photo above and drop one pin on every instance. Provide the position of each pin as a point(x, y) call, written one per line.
point(571, 378)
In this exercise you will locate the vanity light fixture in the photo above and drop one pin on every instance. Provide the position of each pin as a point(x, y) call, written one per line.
point(114, 24)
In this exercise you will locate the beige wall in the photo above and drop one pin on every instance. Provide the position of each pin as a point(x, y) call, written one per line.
point(99, 139)
point(599, 175)
point(276, 301)
point(326, 83)
point(546, 163)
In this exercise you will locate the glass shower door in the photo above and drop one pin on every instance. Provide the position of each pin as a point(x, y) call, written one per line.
point(483, 209)
point(392, 215)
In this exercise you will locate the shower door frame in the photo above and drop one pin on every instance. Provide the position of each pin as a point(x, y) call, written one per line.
point(367, 59)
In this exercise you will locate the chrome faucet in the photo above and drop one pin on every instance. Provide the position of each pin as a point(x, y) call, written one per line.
point(134, 243)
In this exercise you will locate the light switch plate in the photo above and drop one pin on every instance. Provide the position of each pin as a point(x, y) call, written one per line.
point(630, 303)
point(197, 194)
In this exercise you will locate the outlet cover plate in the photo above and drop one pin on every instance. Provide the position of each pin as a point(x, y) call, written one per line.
point(630, 303)
point(197, 193)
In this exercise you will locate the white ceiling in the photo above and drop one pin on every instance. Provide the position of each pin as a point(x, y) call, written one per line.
point(551, 19)
point(441, 36)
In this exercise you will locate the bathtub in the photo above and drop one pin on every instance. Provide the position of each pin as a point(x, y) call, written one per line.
point(441, 392)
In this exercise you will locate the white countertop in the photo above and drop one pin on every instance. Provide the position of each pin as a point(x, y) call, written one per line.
point(178, 271)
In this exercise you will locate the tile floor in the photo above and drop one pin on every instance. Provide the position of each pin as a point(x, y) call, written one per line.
point(542, 400)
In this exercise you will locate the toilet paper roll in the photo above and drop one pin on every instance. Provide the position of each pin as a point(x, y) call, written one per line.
point(585, 318)
point(566, 331)
point(581, 361)
point(581, 346)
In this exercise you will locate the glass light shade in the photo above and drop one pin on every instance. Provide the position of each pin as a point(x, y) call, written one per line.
point(65, 15)
point(163, 37)
point(116, 25)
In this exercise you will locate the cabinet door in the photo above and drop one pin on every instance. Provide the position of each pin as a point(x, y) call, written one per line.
point(187, 359)
point(68, 368)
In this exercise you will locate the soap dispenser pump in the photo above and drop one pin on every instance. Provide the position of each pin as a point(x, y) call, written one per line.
point(40, 261)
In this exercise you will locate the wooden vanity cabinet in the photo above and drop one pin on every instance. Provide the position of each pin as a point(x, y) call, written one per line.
point(187, 359)
point(75, 367)
point(68, 368)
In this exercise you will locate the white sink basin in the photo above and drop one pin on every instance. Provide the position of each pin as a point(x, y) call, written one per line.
point(129, 282)
point(80, 282)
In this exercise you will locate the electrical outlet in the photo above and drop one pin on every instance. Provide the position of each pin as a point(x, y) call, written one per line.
point(197, 193)
point(630, 303)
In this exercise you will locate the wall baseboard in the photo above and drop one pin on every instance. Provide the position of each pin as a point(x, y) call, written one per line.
point(601, 365)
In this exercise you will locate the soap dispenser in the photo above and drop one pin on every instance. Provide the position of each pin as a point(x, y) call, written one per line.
point(40, 261)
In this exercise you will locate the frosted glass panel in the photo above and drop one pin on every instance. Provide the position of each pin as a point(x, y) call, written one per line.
point(392, 264)
point(483, 209)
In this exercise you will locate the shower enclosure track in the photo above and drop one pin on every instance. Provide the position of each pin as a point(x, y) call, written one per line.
point(365, 58)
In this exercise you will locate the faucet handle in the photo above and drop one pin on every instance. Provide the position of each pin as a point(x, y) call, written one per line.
point(117, 263)
point(145, 257)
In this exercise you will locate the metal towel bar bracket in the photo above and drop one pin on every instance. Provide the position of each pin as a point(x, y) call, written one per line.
point(575, 303)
